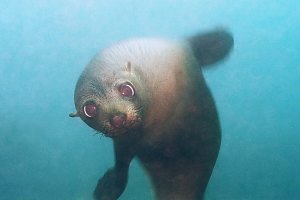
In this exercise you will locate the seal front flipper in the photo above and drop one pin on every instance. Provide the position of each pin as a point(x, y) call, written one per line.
point(114, 181)
point(112, 184)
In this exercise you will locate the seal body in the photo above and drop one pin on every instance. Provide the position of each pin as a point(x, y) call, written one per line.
point(150, 97)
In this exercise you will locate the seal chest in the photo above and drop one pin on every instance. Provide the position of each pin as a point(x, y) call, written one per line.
point(150, 97)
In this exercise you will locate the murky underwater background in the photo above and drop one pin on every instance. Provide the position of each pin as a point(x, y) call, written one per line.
point(44, 45)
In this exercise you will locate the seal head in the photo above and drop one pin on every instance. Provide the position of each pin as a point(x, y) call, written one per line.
point(109, 100)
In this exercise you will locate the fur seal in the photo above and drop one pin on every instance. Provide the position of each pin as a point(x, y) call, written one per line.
point(150, 97)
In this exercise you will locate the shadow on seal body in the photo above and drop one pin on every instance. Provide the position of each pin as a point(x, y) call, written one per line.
point(150, 97)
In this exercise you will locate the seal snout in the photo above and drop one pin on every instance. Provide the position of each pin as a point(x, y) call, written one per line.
point(118, 121)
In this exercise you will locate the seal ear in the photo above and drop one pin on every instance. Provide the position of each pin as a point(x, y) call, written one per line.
point(128, 67)
point(211, 47)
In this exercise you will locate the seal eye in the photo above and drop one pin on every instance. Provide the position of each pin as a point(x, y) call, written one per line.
point(126, 90)
point(90, 109)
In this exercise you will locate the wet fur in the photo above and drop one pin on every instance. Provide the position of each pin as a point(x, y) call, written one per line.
point(176, 133)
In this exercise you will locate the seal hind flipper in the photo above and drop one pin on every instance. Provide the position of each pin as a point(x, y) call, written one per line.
point(211, 47)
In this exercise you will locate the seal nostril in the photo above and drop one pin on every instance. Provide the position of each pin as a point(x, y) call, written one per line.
point(90, 109)
point(118, 121)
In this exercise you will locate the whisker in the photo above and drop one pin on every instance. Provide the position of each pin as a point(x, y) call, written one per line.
point(140, 108)
point(95, 132)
